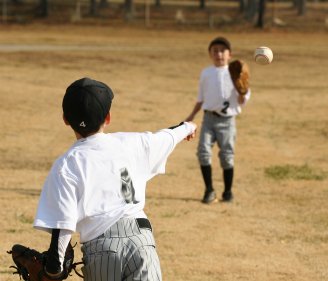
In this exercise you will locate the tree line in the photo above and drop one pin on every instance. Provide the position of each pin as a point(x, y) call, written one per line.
point(248, 8)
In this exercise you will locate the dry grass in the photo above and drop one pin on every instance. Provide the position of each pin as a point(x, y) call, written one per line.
point(275, 230)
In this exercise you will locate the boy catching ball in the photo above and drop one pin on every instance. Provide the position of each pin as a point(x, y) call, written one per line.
point(220, 102)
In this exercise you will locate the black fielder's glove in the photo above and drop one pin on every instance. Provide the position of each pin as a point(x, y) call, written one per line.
point(239, 72)
point(29, 263)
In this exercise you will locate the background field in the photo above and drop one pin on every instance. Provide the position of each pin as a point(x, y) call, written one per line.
point(277, 227)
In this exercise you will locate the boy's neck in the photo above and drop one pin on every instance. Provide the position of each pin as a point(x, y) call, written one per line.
point(78, 136)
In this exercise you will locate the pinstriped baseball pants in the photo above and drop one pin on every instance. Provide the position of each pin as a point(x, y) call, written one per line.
point(125, 252)
point(221, 130)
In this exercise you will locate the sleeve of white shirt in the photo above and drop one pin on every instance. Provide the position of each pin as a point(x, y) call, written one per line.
point(56, 253)
point(162, 143)
point(64, 238)
point(58, 187)
point(247, 97)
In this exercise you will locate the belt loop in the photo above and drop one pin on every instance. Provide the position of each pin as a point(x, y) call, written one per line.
point(144, 223)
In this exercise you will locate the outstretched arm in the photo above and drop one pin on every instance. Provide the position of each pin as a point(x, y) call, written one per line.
point(181, 131)
point(192, 134)
point(195, 110)
point(161, 144)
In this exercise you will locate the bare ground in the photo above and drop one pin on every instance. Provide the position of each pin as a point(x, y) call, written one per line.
point(276, 228)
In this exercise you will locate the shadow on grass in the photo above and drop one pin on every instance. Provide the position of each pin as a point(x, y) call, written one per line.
point(24, 191)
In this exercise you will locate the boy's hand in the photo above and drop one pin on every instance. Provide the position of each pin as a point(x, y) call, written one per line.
point(193, 134)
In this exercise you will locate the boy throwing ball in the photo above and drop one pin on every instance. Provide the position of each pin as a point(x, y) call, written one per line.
point(97, 188)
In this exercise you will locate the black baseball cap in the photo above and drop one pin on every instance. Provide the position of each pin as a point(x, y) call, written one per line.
point(220, 40)
point(86, 104)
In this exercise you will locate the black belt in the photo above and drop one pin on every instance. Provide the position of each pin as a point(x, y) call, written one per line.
point(214, 113)
point(144, 223)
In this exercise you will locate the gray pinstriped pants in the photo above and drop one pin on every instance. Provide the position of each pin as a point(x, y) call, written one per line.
point(221, 130)
point(124, 252)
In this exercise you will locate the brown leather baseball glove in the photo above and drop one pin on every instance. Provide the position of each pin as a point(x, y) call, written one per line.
point(29, 263)
point(239, 72)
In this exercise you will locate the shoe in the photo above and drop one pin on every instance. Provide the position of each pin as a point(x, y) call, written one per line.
point(209, 197)
point(227, 196)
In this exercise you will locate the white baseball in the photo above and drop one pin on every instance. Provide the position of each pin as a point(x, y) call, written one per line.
point(263, 55)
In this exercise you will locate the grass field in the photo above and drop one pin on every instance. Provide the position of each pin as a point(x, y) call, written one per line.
point(277, 227)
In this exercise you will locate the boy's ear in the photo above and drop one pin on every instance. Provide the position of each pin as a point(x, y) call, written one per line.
point(65, 120)
point(108, 118)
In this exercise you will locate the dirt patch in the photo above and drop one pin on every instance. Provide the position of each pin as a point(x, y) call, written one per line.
point(275, 230)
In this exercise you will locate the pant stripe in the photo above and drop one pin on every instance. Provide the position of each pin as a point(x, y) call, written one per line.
point(125, 252)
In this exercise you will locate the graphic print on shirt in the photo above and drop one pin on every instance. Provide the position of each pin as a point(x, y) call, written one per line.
point(226, 106)
point(127, 189)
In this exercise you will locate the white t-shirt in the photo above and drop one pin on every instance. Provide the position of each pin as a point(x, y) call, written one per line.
point(102, 178)
point(217, 92)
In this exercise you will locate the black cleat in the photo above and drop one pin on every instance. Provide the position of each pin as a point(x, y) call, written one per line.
point(227, 196)
point(209, 197)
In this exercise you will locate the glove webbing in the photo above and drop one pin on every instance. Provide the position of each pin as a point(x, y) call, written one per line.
point(23, 273)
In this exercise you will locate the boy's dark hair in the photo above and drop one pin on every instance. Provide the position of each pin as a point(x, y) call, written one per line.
point(220, 40)
point(86, 104)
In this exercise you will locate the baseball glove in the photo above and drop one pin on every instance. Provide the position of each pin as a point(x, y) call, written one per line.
point(239, 73)
point(29, 263)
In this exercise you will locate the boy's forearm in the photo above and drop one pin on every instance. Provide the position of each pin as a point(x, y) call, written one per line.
point(56, 252)
point(183, 130)
point(195, 110)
